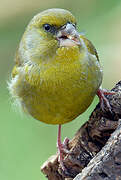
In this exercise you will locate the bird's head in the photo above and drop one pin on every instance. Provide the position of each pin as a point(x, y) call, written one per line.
point(48, 31)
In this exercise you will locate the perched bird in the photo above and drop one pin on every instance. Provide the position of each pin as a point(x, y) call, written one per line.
point(57, 72)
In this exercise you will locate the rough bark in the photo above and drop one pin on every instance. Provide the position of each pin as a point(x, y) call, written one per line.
point(94, 152)
point(106, 165)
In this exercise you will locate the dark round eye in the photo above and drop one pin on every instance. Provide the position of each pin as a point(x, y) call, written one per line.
point(47, 27)
point(50, 28)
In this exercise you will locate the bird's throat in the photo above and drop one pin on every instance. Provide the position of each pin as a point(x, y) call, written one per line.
point(67, 54)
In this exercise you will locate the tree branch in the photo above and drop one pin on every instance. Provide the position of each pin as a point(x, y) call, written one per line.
point(107, 163)
point(90, 150)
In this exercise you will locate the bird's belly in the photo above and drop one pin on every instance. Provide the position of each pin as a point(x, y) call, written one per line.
point(60, 100)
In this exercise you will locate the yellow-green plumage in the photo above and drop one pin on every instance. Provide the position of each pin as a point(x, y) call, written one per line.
point(54, 84)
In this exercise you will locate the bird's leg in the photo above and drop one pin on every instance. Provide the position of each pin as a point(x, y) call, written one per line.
point(61, 147)
point(101, 94)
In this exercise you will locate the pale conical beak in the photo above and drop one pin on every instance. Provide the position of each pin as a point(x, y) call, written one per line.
point(68, 36)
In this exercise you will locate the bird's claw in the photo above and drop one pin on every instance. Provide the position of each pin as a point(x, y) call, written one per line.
point(64, 146)
point(63, 149)
point(103, 100)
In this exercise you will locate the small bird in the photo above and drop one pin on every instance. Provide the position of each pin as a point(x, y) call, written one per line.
point(57, 72)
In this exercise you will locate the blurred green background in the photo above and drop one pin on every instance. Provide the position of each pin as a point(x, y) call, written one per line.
point(24, 142)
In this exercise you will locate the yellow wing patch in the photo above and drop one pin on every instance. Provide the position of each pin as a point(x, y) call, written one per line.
point(17, 64)
point(14, 71)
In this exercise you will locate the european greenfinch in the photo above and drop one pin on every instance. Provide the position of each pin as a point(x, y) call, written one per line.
point(57, 72)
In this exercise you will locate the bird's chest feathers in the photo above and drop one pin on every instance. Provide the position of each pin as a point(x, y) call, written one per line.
point(63, 68)
point(67, 70)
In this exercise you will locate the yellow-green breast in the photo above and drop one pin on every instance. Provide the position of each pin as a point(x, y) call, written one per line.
point(58, 91)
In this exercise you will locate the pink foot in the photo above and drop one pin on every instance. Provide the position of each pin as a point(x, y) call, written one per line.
point(103, 100)
point(62, 148)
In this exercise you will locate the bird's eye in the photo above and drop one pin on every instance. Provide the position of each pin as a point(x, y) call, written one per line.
point(50, 28)
point(47, 27)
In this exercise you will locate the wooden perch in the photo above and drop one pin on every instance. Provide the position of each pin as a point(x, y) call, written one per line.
point(107, 163)
point(95, 150)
